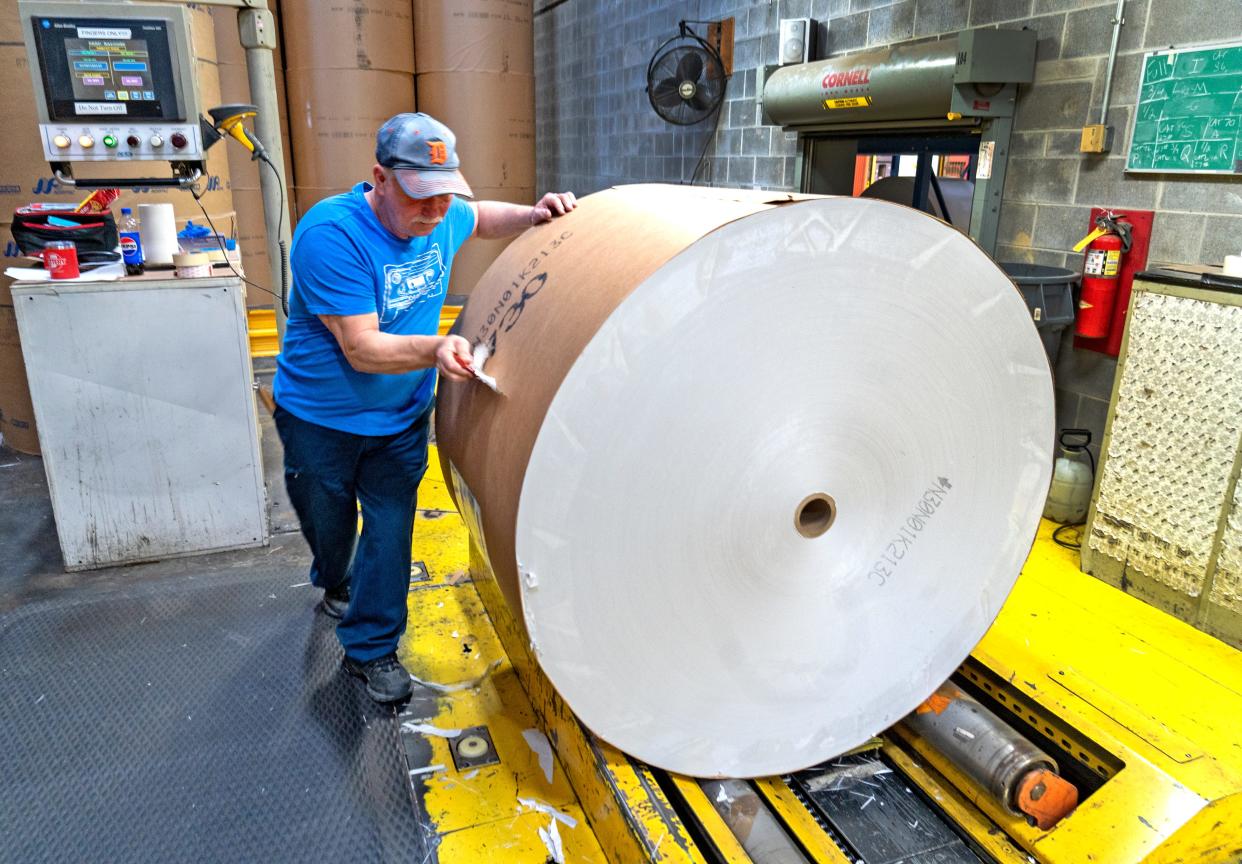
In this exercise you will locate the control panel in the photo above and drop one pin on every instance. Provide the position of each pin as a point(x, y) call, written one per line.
point(115, 81)
point(100, 142)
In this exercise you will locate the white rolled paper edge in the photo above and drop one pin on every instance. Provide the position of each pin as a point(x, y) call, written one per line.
point(842, 346)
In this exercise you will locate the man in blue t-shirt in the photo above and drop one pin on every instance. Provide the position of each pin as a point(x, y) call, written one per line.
point(355, 379)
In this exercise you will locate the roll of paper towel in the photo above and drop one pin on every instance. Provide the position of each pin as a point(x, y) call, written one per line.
point(157, 228)
point(764, 470)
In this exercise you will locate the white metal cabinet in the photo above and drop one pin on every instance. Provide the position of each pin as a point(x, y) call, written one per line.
point(144, 400)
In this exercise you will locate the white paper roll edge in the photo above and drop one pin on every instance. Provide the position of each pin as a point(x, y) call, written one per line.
point(1233, 265)
point(845, 348)
point(157, 228)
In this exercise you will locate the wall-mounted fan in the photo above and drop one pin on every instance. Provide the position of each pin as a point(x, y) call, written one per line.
point(685, 78)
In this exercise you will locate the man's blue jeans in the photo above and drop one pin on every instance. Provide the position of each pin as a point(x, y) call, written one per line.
point(328, 473)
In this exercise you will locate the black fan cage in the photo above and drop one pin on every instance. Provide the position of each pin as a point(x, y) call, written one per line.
point(685, 79)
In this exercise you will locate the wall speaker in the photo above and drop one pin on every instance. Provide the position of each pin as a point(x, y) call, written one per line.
point(796, 36)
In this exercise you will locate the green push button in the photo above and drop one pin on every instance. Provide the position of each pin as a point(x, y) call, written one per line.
point(109, 140)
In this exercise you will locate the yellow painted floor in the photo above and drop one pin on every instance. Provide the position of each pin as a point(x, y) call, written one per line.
point(493, 813)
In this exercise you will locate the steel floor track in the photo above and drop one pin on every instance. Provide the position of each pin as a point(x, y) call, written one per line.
point(202, 717)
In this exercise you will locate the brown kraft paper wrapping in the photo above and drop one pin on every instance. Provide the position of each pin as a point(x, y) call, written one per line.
point(474, 36)
point(739, 436)
point(333, 118)
point(348, 34)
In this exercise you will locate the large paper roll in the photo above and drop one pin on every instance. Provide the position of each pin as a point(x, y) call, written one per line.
point(764, 469)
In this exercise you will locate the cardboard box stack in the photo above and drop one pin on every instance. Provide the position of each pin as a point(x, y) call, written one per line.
point(24, 174)
point(349, 67)
point(17, 420)
point(243, 171)
point(476, 74)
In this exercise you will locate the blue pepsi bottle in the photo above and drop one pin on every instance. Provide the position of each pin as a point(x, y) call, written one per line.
point(131, 243)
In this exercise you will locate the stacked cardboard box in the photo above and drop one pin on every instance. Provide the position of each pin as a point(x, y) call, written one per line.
point(17, 420)
point(476, 74)
point(349, 67)
point(24, 174)
point(251, 230)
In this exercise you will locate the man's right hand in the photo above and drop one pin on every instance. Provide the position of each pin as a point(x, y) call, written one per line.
point(453, 358)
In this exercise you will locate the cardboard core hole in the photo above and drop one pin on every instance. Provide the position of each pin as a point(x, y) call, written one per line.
point(815, 515)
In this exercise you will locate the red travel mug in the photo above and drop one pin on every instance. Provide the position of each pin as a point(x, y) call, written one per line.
point(60, 259)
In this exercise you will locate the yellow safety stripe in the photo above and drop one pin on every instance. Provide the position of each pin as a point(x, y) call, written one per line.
point(800, 823)
point(723, 839)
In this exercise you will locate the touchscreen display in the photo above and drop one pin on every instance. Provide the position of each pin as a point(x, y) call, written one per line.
point(110, 69)
point(107, 68)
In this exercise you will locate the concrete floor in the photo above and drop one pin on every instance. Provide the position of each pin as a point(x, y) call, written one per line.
point(31, 567)
point(208, 688)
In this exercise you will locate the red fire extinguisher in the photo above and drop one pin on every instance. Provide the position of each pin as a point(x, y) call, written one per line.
point(1101, 268)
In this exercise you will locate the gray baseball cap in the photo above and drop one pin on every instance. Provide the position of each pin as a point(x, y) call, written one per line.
point(422, 153)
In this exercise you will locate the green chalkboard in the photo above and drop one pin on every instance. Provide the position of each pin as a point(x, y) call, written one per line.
point(1189, 112)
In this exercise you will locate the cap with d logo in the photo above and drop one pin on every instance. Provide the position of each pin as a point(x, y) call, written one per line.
point(422, 153)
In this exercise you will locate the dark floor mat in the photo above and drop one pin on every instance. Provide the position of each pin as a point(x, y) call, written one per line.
point(28, 543)
point(194, 719)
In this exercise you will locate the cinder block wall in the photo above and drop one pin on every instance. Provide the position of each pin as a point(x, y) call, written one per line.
point(595, 128)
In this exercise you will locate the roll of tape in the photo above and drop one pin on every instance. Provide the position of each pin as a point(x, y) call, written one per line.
point(157, 228)
point(760, 477)
point(192, 265)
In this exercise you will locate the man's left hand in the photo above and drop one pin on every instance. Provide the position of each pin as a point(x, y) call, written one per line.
point(552, 205)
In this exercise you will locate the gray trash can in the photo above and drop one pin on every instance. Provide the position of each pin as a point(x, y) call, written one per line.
point(1049, 293)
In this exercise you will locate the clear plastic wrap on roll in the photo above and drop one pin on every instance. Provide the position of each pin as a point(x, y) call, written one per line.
point(764, 470)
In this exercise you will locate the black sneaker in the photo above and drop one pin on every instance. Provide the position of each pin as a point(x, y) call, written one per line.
point(336, 601)
point(387, 680)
